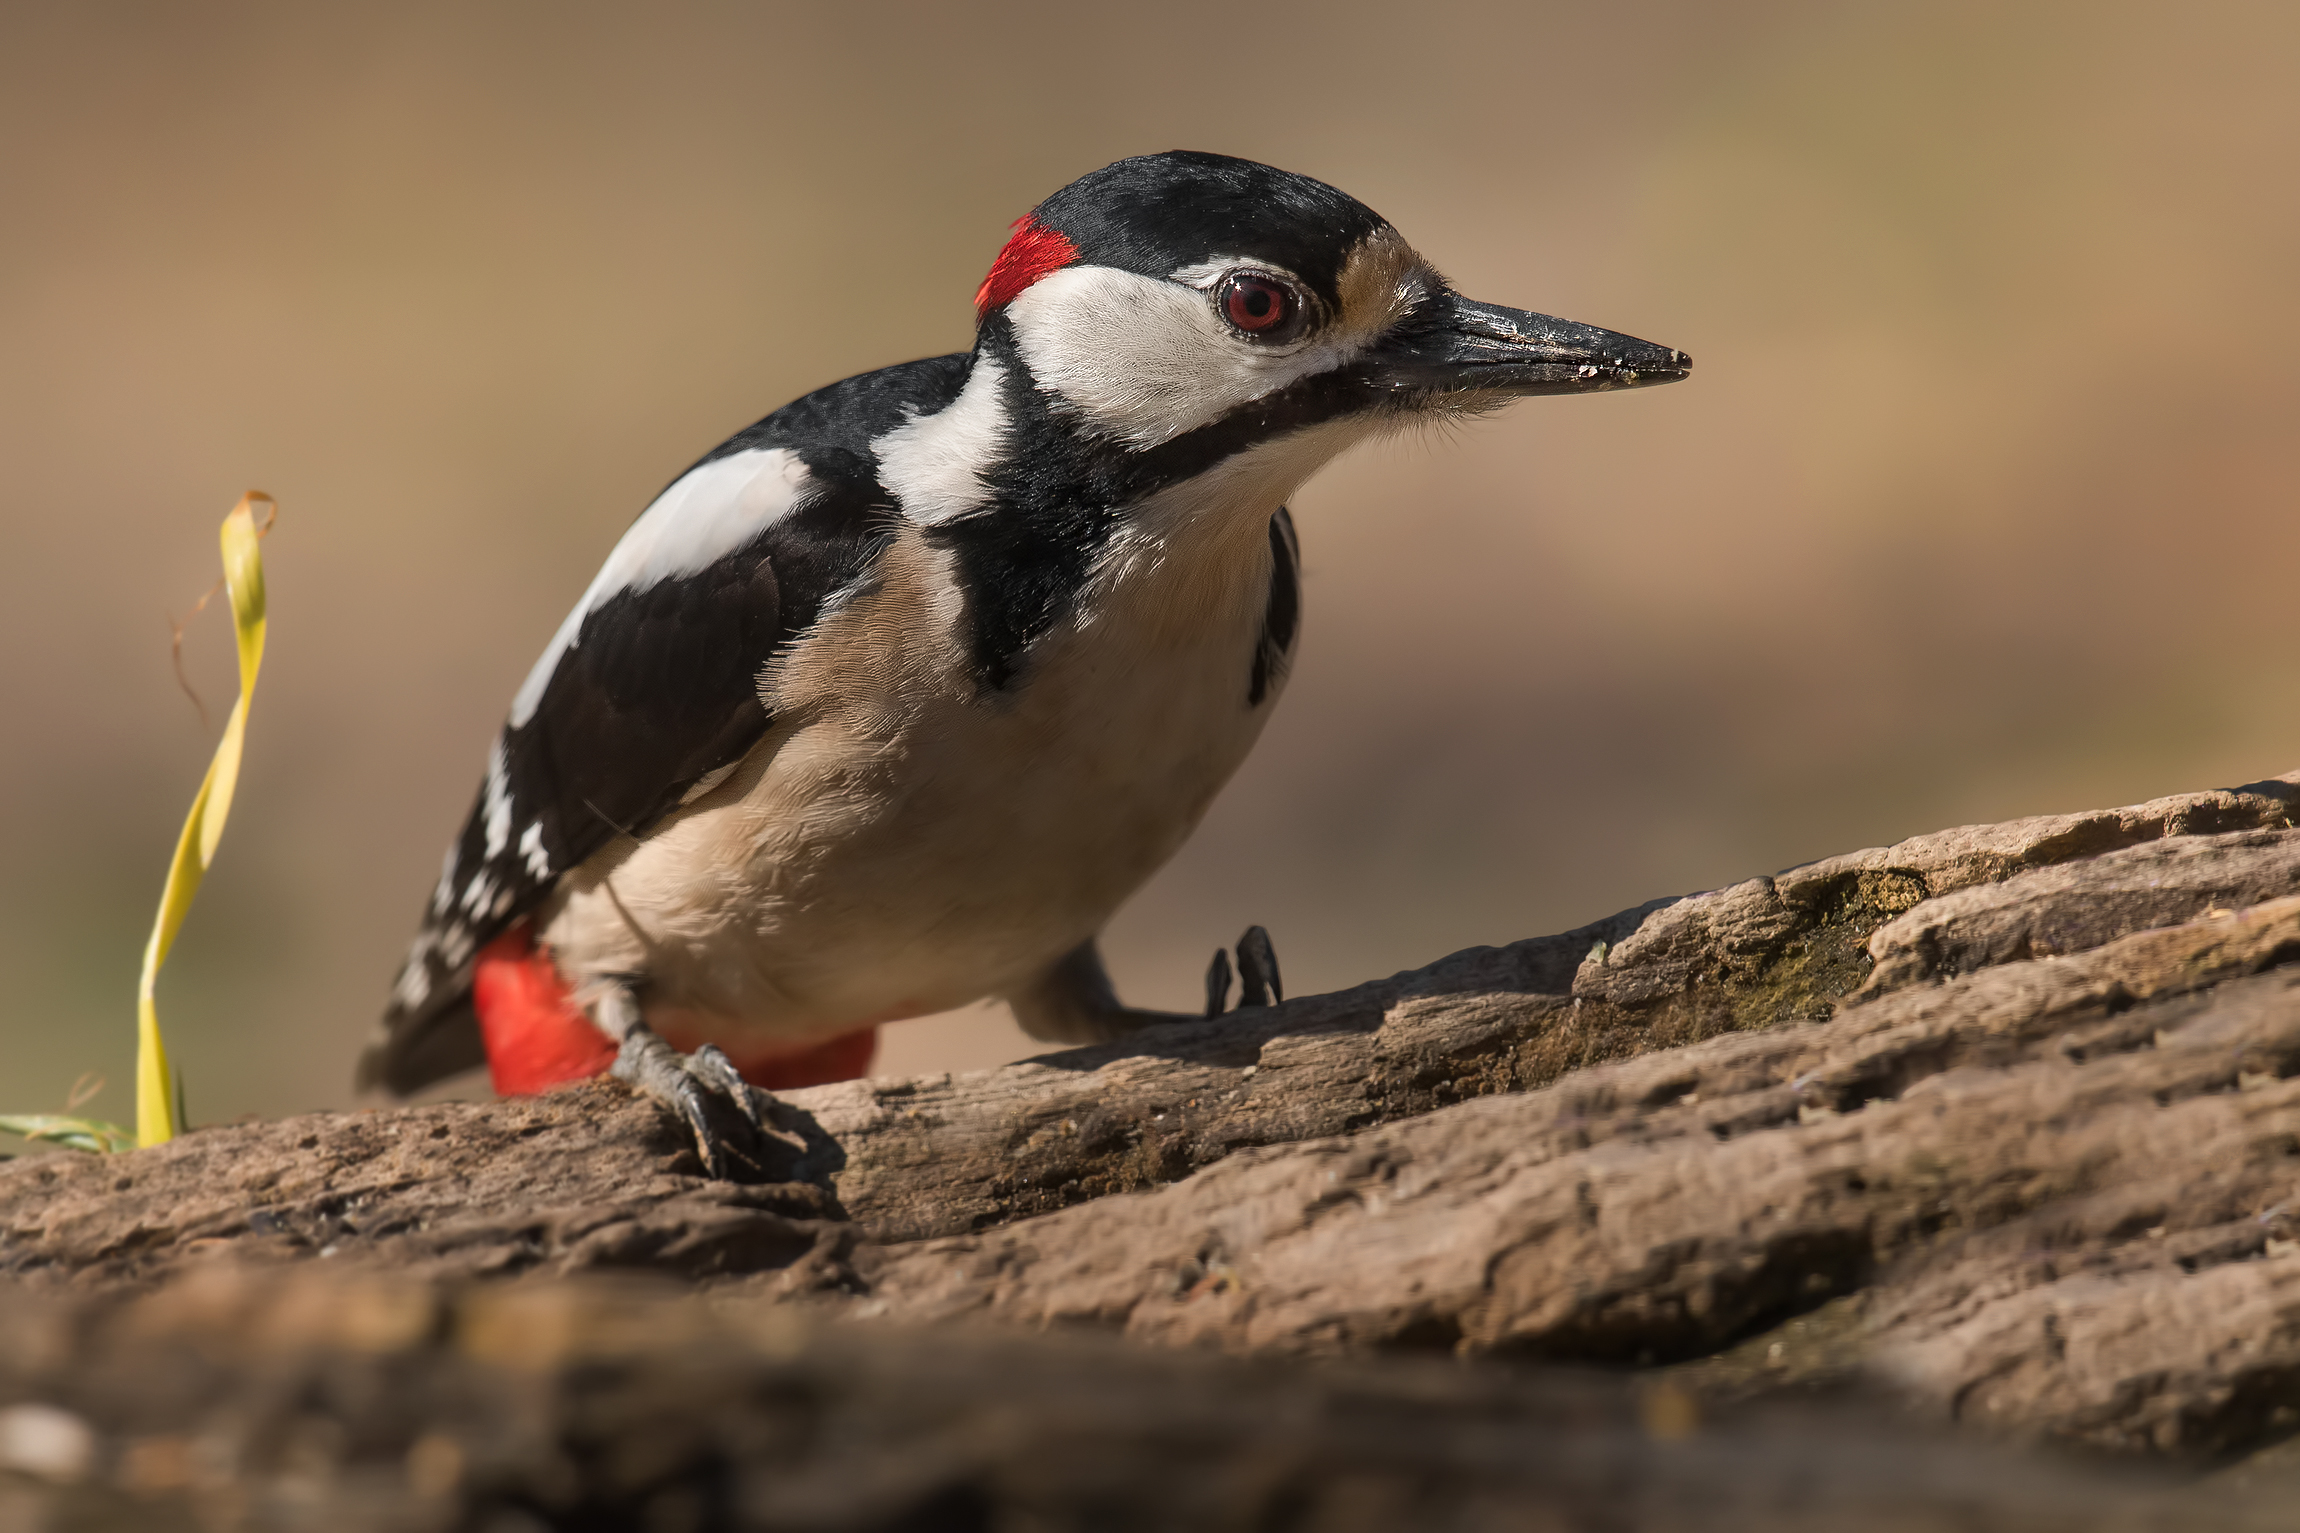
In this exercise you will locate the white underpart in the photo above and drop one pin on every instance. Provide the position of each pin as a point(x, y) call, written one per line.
point(934, 463)
point(1146, 359)
point(1160, 531)
point(708, 514)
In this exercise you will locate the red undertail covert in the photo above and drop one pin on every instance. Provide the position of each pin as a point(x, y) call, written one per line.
point(538, 1038)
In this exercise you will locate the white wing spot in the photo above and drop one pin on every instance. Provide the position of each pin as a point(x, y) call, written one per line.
point(414, 987)
point(478, 892)
point(531, 850)
point(498, 803)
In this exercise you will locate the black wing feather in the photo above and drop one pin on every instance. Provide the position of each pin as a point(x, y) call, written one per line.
point(658, 690)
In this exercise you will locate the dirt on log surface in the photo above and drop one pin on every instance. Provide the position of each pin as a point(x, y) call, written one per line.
point(2001, 1124)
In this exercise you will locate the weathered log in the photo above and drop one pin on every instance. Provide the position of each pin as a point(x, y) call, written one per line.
point(2007, 1116)
point(2057, 1187)
point(292, 1401)
point(591, 1177)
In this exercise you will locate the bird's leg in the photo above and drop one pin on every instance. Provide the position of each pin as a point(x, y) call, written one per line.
point(727, 1115)
point(1074, 1002)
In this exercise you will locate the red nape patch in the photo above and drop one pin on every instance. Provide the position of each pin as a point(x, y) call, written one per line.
point(536, 1037)
point(1031, 252)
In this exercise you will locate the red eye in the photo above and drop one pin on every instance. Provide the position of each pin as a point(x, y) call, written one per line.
point(1256, 304)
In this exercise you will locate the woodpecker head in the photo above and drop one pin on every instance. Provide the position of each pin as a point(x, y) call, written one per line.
point(1178, 293)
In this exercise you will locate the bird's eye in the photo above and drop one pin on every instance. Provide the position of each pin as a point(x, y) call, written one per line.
point(1256, 305)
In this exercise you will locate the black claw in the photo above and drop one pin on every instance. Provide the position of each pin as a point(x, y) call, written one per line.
point(710, 1064)
point(708, 1145)
point(1258, 980)
point(1218, 983)
point(724, 1113)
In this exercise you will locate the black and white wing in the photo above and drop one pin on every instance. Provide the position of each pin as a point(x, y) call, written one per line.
point(650, 685)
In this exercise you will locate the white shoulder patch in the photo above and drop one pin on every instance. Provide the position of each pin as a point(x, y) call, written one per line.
point(709, 513)
point(934, 463)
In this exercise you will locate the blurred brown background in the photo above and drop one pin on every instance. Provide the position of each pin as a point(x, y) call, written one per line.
point(1979, 503)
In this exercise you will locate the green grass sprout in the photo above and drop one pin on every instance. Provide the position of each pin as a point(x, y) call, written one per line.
point(72, 1133)
point(91, 1134)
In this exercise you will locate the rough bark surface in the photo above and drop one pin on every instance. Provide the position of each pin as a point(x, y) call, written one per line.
point(2057, 1187)
point(2004, 1120)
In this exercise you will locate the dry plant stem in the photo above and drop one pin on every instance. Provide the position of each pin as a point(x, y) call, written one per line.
point(156, 1088)
point(177, 628)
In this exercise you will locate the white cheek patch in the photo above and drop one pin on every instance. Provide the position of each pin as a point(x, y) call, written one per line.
point(709, 513)
point(934, 464)
point(1144, 359)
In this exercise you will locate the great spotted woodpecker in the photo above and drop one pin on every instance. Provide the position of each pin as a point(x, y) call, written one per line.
point(887, 703)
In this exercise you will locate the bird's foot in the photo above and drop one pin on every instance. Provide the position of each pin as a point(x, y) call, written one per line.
point(1258, 981)
point(1073, 1001)
point(728, 1116)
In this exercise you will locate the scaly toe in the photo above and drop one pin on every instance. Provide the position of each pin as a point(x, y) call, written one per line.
point(723, 1112)
point(710, 1065)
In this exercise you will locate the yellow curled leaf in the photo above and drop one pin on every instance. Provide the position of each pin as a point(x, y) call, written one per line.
point(204, 827)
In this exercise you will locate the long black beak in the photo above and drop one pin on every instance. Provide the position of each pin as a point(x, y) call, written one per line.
point(1456, 345)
